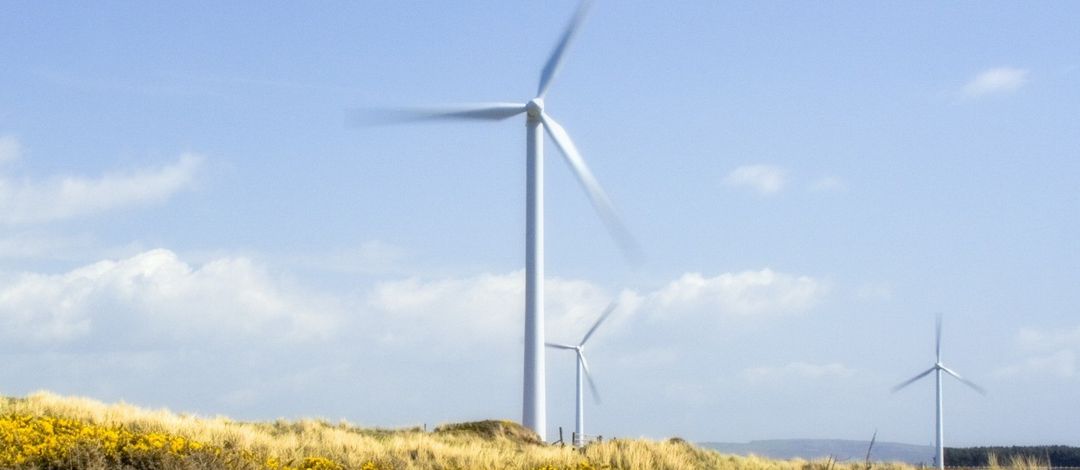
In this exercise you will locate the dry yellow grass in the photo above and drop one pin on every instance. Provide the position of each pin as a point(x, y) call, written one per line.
point(1017, 462)
point(486, 445)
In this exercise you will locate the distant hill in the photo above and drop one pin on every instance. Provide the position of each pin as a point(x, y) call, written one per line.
point(821, 448)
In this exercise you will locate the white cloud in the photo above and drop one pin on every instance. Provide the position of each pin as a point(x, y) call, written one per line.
point(27, 202)
point(996, 80)
point(154, 298)
point(745, 293)
point(1038, 340)
point(9, 148)
point(828, 184)
point(799, 370)
point(1061, 364)
point(458, 311)
point(765, 179)
point(479, 306)
point(1050, 353)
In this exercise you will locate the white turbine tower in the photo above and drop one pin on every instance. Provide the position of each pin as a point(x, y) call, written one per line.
point(536, 122)
point(938, 368)
point(583, 369)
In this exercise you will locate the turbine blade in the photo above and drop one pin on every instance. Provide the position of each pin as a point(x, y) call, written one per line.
point(937, 347)
point(588, 376)
point(597, 196)
point(913, 379)
point(552, 65)
point(967, 382)
point(603, 316)
point(560, 346)
point(468, 111)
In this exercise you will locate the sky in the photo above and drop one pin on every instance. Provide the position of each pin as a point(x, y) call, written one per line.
point(189, 220)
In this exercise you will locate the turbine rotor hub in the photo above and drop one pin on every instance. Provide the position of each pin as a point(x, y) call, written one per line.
point(534, 107)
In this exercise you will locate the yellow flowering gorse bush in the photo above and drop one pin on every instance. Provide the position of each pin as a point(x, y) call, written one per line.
point(47, 441)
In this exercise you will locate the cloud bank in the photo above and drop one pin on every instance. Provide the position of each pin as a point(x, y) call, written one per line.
point(155, 297)
point(157, 327)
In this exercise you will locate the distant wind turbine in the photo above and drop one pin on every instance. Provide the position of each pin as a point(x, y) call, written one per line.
point(583, 369)
point(938, 368)
point(537, 120)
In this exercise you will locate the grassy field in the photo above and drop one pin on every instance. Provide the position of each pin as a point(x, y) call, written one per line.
point(47, 431)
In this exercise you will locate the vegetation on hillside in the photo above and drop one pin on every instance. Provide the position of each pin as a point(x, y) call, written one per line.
point(45, 431)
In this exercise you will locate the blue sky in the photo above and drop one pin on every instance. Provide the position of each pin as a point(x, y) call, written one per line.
point(188, 221)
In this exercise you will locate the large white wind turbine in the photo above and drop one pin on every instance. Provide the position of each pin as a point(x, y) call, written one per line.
point(536, 122)
point(938, 368)
point(583, 369)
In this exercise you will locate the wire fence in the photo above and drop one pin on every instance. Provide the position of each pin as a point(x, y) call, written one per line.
point(576, 440)
point(586, 439)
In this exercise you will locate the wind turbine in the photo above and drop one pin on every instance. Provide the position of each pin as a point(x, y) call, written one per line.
point(937, 369)
point(583, 369)
point(537, 120)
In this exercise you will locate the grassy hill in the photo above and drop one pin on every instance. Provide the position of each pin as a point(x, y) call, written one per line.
point(46, 431)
